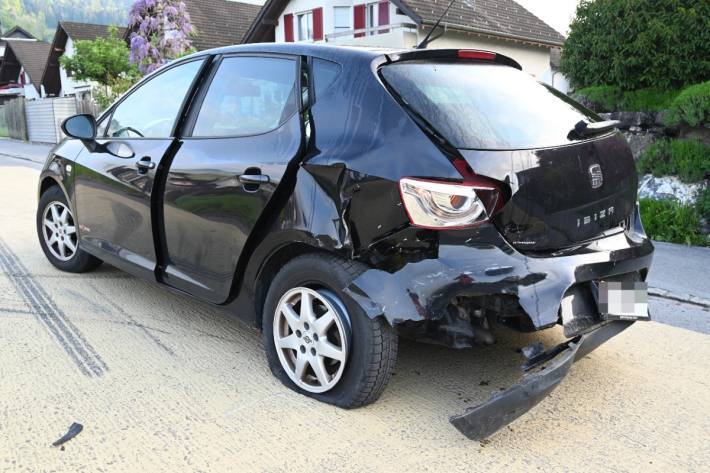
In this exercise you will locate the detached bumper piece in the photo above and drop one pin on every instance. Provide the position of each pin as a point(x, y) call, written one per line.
point(504, 407)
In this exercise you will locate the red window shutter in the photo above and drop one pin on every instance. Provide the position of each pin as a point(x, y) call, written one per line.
point(359, 19)
point(383, 14)
point(317, 24)
point(288, 28)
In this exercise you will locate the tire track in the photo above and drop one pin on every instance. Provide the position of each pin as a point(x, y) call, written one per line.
point(64, 332)
point(147, 331)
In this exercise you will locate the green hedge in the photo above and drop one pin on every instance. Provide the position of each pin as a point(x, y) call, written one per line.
point(703, 203)
point(636, 44)
point(692, 106)
point(687, 159)
point(667, 220)
point(609, 98)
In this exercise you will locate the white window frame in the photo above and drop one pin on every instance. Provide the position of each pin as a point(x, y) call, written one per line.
point(308, 36)
point(372, 18)
point(349, 18)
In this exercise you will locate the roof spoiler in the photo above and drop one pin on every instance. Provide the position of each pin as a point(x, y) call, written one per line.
point(458, 54)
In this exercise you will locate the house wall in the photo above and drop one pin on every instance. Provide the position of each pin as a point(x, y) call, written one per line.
point(29, 90)
point(298, 6)
point(535, 60)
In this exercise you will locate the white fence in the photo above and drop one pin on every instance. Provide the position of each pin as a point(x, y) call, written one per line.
point(45, 116)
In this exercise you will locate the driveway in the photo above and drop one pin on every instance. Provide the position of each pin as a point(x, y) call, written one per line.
point(162, 383)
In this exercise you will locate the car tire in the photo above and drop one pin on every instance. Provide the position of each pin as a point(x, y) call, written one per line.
point(370, 344)
point(52, 222)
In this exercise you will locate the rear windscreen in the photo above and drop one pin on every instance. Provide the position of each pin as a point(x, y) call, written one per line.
point(486, 106)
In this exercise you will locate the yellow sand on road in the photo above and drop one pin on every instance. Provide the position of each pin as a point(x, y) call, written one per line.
point(162, 383)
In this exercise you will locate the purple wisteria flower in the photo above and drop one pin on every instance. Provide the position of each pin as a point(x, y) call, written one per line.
point(161, 32)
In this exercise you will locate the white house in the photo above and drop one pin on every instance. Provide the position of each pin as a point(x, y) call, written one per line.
point(498, 25)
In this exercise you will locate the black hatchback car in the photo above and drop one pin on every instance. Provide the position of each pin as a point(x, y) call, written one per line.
point(339, 198)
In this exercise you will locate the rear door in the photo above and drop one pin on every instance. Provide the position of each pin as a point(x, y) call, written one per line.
point(242, 133)
point(114, 181)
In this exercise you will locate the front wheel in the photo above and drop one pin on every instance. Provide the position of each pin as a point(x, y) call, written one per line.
point(57, 232)
point(318, 341)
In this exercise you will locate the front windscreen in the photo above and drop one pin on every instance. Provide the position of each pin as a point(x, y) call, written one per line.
point(486, 106)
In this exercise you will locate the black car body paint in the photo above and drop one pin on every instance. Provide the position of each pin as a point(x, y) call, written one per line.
point(334, 168)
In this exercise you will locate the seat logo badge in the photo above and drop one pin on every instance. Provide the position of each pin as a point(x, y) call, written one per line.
point(595, 175)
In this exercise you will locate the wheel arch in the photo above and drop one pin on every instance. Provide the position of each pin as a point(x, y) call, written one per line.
point(270, 266)
point(49, 181)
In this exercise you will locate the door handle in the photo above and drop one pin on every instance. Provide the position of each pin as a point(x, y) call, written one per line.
point(256, 179)
point(144, 164)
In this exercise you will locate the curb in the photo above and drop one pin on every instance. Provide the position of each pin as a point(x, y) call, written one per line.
point(22, 158)
point(685, 298)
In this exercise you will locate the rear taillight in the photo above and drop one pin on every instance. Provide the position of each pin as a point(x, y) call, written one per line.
point(438, 205)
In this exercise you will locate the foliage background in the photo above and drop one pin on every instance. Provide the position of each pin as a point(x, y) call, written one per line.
point(40, 17)
point(636, 44)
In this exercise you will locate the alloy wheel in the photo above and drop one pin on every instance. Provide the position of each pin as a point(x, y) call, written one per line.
point(59, 231)
point(311, 335)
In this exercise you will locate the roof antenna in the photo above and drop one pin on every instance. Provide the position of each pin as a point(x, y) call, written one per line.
point(428, 39)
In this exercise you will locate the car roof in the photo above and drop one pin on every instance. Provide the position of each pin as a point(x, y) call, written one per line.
point(348, 53)
point(303, 49)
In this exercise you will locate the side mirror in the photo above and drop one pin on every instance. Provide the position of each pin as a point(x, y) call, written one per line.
point(81, 127)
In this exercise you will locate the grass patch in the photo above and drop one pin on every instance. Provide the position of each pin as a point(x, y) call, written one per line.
point(608, 98)
point(668, 220)
point(687, 159)
point(647, 100)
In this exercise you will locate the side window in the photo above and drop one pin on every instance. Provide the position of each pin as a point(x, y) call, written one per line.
point(248, 96)
point(151, 110)
point(324, 73)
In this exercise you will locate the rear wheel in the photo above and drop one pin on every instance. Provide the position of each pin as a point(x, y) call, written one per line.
point(318, 341)
point(57, 232)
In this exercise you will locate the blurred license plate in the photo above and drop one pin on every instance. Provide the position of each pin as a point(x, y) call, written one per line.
point(623, 300)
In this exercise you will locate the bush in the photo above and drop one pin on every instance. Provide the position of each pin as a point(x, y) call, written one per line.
point(667, 220)
point(692, 106)
point(601, 98)
point(609, 98)
point(636, 44)
point(703, 203)
point(647, 100)
point(687, 159)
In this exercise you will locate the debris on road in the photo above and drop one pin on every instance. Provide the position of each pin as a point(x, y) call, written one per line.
point(74, 430)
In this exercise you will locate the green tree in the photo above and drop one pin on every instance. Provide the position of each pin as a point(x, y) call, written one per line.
point(635, 44)
point(104, 61)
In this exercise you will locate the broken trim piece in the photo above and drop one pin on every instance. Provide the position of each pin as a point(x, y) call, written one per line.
point(503, 408)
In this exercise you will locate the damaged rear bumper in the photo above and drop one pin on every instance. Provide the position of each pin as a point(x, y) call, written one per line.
point(504, 407)
point(482, 263)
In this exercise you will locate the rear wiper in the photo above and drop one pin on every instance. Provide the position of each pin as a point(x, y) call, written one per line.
point(584, 128)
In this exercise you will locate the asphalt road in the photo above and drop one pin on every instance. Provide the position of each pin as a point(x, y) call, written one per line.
point(162, 383)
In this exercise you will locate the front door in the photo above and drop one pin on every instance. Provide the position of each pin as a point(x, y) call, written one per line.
point(114, 181)
point(243, 134)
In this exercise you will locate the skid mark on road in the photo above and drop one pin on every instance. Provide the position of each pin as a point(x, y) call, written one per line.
point(131, 321)
point(65, 333)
